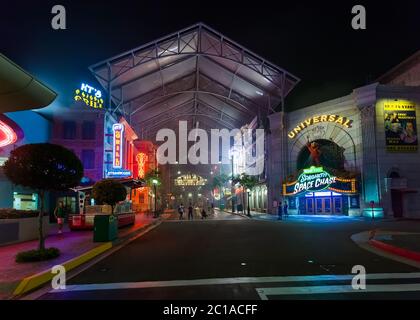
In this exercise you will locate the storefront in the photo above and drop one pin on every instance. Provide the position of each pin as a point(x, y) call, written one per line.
point(356, 155)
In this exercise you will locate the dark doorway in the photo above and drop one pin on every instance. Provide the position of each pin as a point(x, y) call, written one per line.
point(397, 203)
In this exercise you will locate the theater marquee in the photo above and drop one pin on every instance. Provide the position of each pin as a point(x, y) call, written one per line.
point(317, 179)
point(340, 120)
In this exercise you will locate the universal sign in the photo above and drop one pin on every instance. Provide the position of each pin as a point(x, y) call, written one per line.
point(313, 179)
point(343, 121)
point(90, 96)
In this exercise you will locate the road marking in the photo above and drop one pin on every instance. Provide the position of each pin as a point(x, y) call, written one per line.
point(225, 281)
point(278, 291)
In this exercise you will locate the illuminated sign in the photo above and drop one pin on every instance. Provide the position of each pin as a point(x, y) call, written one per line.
point(90, 96)
point(141, 161)
point(313, 179)
point(7, 135)
point(119, 173)
point(400, 126)
point(343, 121)
point(118, 130)
point(190, 180)
point(317, 179)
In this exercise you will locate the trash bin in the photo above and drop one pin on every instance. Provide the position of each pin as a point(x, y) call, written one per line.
point(240, 208)
point(105, 228)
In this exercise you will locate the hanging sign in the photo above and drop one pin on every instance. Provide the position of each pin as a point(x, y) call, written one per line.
point(141, 161)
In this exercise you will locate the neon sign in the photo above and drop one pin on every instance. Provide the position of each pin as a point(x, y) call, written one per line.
point(343, 121)
point(316, 179)
point(119, 173)
point(90, 96)
point(313, 179)
point(141, 160)
point(118, 130)
point(7, 135)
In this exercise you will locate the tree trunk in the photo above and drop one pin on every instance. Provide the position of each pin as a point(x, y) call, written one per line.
point(41, 222)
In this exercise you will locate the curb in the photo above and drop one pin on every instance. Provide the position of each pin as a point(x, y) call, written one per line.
point(32, 282)
point(408, 254)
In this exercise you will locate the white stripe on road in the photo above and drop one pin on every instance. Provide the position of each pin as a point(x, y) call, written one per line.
point(279, 291)
point(226, 281)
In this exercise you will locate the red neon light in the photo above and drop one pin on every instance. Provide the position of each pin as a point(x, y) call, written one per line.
point(141, 160)
point(7, 135)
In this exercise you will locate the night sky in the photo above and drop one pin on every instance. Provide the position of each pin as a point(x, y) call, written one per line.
point(313, 40)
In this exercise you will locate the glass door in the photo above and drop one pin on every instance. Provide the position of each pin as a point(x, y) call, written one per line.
point(310, 206)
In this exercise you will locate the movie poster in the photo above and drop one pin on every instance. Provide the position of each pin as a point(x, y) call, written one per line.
point(400, 127)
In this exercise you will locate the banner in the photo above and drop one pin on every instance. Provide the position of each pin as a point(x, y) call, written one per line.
point(400, 127)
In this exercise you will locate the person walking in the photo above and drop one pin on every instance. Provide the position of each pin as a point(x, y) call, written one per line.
point(181, 211)
point(285, 210)
point(280, 211)
point(190, 212)
point(59, 214)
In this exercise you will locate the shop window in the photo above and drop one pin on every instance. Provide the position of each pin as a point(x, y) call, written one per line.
point(25, 201)
point(88, 130)
point(69, 130)
point(88, 159)
point(69, 204)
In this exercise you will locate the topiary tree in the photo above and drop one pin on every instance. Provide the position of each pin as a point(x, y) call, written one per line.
point(43, 167)
point(110, 192)
point(247, 182)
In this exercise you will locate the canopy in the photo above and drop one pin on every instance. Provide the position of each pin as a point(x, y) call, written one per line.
point(195, 74)
point(19, 90)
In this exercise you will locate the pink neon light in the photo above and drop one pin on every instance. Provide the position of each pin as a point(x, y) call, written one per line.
point(7, 135)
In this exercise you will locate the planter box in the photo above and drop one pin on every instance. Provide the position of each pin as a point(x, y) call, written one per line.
point(20, 230)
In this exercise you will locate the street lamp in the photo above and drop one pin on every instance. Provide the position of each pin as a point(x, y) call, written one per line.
point(155, 182)
point(249, 211)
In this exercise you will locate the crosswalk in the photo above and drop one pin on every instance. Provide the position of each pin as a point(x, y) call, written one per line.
point(326, 286)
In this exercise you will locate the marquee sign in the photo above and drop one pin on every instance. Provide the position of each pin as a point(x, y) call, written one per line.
point(316, 179)
point(118, 130)
point(343, 121)
point(90, 96)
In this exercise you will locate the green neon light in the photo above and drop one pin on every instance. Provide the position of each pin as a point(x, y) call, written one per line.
point(313, 170)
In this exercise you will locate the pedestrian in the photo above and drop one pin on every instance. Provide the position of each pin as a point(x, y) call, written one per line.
point(280, 211)
point(190, 212)
point(181, 211)
point(285, 210)
point(203, 214)
point(59, 214)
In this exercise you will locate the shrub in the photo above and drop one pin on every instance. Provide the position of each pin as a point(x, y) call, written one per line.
point(37, 255)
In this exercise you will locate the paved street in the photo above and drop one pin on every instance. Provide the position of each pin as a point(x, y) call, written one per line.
point(230, 257)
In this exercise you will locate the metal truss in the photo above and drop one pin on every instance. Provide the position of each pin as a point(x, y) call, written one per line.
point(205, 46)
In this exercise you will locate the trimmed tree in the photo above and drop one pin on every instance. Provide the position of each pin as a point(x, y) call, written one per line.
point(110, 192)
point(43, 167)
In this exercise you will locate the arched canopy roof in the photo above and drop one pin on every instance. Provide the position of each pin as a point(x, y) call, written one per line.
point(195, 74)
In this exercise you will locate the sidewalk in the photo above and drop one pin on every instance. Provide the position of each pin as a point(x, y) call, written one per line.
point(72, 244)
point(403, 244)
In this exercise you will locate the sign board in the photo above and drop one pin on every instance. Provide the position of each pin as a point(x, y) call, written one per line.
point(122, 173)
point(400, 126)
point(337, 119)
point(316, 179)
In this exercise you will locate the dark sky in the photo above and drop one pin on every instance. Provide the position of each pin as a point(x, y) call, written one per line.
point(313, 40)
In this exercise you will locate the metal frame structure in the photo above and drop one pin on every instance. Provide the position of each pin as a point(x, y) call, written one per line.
point(196, 74)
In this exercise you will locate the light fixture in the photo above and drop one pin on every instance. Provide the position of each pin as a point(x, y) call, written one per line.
point(259, 93)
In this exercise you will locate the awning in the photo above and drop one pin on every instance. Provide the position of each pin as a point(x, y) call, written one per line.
point(19, 90)
point(130, 183)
